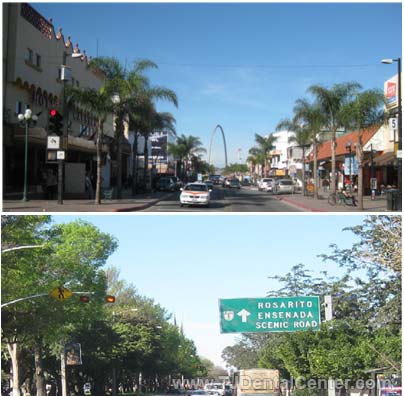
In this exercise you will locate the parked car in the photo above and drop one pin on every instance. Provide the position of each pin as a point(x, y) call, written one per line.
point(234, 183)
point(166, 184)
point(177, 181)
point(195, 194)
point(266, 184)
point(284, 186)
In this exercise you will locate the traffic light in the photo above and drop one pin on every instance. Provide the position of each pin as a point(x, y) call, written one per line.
point(84, 299)
point(110, 299)
point(55, 122)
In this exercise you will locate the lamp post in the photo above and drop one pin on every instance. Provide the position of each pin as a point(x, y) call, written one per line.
point(399, 116)
point(27, 120)
point(348, 146)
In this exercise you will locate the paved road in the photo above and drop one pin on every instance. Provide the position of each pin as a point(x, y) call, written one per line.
point(225, 200)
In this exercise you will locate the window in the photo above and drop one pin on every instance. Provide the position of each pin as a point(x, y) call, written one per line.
point(64, 58)
point(30, 56)
point(77, 84)
point(73, 82)
point(18, 107)
point(38, 60)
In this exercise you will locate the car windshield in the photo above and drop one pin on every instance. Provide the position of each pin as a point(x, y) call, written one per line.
point(235, 181)
point(267, 180)
point(286, 182)
point(196, 187)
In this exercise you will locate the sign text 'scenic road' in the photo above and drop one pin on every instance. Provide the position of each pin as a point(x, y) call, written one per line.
point(272, 314)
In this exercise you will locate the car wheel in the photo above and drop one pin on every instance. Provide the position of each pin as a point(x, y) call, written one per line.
point(181, 205)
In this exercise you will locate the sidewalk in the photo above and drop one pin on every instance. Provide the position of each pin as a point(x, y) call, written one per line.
point(127, 204)
point(309, 204)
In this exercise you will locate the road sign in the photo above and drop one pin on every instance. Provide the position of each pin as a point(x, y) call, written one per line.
point(272, 314)
point(53, 142)
point(393, 123)
point(60, 293)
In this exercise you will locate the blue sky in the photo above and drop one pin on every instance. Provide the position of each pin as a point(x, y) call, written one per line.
point(186, 263)
point(237, 64)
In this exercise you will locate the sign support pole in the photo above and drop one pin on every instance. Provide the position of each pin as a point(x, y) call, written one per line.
point(329, 316)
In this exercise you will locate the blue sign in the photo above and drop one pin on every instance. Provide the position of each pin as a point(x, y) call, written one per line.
point(351, 165)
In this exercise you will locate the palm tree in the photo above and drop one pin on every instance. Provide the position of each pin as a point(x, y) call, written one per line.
point(258, 157)
point(134, 91)
point(265, 145)
point(360, 114)
point(98, 102)
point(332, 102)
point(189, 147)
point(302, 138)
point(311, 117)
point(158, 122)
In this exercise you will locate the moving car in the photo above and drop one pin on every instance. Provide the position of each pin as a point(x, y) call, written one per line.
point(284, 186)
point(195, 194)
point(234, 183)
point(209, 183)
point(166, 184)
point(266, 184)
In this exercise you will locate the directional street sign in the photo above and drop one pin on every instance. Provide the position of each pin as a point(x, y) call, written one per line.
point(60, 293)
point(273, 314)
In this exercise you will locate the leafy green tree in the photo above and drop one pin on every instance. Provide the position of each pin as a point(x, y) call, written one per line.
point(242, 355)
point(71, 255)
point(235, 168)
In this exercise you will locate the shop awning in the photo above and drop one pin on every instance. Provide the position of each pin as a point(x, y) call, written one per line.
point(384, 159)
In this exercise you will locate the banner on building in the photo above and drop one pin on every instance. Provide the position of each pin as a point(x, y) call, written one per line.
point(158, 147)
point(391, 92)
point(351, 165)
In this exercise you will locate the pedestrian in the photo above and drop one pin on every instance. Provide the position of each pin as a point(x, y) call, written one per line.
point(348, 196)
point(326, 184)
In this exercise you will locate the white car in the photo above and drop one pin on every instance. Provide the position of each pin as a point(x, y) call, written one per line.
point(266, 184)
point(195, 194)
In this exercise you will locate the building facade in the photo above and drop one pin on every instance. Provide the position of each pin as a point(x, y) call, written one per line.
point(32, 61)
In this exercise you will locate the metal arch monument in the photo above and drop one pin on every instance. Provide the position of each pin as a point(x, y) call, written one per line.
point(224, 143)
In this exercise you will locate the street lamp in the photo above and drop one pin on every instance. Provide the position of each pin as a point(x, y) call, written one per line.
point(27, 119)
point(399, 113)
point(348, 146)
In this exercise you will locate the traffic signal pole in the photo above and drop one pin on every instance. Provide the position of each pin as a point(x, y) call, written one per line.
point(64, 138)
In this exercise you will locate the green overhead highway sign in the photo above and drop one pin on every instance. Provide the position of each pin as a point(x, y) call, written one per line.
point(272, 314)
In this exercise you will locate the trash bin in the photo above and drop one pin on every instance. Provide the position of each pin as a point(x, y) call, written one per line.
point(393, 200)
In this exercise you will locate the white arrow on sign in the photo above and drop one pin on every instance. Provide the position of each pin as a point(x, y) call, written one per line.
point(244, 314)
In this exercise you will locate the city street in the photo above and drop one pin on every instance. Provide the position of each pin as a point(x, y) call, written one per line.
point(227, 200)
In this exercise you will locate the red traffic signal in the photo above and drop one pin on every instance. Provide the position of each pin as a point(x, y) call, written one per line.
point(85, 299)
point(55, 122)
point(110, 299)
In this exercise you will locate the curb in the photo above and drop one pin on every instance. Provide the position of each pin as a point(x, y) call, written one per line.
point(299, 205)
point(141, 207)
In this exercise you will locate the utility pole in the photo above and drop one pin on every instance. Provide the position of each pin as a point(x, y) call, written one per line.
point(328, 317)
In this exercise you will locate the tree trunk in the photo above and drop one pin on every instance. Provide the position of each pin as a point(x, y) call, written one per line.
point(303, 173)
point(63, 371)
point(134, 163)
point(15, 379)
point(333, 164)
point(146, 160)
point(119, 157)
point(99, 162)
point(359, 157)
point(39, 371)
point(315, 170)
